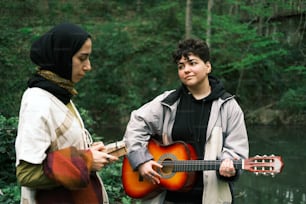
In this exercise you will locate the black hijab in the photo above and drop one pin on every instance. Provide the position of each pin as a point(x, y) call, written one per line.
point(54, 51)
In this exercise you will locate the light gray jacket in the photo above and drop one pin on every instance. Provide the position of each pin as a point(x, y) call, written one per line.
point(226, 137)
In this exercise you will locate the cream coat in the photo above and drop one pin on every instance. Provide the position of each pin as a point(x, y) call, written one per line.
point(45, 124)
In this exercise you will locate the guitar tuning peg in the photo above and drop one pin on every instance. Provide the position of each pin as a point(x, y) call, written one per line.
point(256, 173)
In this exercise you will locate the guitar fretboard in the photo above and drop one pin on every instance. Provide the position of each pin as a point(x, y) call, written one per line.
point(196, 165)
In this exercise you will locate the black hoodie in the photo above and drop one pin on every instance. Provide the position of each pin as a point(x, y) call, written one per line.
point(192, 116)
point(190, 126)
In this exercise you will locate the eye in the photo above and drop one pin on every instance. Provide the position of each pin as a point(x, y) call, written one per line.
point(180, 66)
point(83, 58)
point(192, 63)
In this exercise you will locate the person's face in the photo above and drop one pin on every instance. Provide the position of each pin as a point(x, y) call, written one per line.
point(193, 71)
point(81, 62)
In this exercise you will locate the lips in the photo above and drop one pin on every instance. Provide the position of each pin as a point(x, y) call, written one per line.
point(188, 77)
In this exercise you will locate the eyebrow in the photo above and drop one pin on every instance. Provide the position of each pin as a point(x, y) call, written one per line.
point(84, 54)
point(188, 60)
point(192, 59)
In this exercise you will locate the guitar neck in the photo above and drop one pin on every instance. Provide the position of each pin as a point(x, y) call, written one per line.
point(198, 165)
point(117, 149)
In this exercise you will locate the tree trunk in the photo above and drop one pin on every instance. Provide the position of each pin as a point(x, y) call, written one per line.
point(210, 4)
point(188, 20)
point(138, 6)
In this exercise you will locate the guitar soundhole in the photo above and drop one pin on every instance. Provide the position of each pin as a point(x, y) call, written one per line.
point(168, 165)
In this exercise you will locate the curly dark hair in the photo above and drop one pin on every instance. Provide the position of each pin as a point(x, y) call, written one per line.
point(191, 46)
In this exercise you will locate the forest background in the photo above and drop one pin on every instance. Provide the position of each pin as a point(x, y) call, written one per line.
point(257, 50)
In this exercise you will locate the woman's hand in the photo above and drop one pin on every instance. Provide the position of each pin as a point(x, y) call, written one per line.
point(100, 158)
point(227, 168)
point(146, 170)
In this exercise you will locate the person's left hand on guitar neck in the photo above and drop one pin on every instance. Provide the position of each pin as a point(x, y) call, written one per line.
point(227, 168)
point(146, 170)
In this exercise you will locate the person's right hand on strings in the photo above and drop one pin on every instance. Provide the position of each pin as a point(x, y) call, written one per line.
point(147, 171)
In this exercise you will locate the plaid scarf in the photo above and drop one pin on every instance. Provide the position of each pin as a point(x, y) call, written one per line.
point(64, 83)
point(61, 88)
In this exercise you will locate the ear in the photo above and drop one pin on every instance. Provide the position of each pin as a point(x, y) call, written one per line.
point(208, 67)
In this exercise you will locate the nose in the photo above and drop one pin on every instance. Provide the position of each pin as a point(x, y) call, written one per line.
point(87, 66)
point(187, 68)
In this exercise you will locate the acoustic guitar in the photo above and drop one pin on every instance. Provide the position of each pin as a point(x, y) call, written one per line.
point(180, 165)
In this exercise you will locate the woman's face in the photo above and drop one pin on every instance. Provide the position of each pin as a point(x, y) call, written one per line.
point(81, 62)
point(193, 71)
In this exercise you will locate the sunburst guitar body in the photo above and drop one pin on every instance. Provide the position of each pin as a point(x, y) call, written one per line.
point(136, 187)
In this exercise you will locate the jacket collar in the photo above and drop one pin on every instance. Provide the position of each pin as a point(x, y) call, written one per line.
point(173, 96)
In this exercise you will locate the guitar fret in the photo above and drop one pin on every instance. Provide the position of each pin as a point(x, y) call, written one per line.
point(197, 165)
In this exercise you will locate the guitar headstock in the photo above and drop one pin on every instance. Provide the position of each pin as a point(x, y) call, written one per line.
point(264, 165)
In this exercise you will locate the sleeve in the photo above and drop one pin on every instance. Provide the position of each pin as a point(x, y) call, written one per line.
point(33, 136)
point(32, 175)
point(69, 167)
point(144, 122)
point(236, 145)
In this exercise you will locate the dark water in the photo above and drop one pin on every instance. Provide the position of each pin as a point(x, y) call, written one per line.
point(287, 187)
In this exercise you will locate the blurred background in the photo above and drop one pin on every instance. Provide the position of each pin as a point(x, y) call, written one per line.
point(257, 49)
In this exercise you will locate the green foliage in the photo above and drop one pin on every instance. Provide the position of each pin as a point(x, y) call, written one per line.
point(89, 123)
point(10, 194)
point(14, 61)
point(111, 175)
point(294, 100)
point(8, 130)
point(126, 72)
point(132, 50)
point(300, 70)
point(249, 57)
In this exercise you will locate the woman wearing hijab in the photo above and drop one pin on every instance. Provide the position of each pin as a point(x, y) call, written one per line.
point(56, 161)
